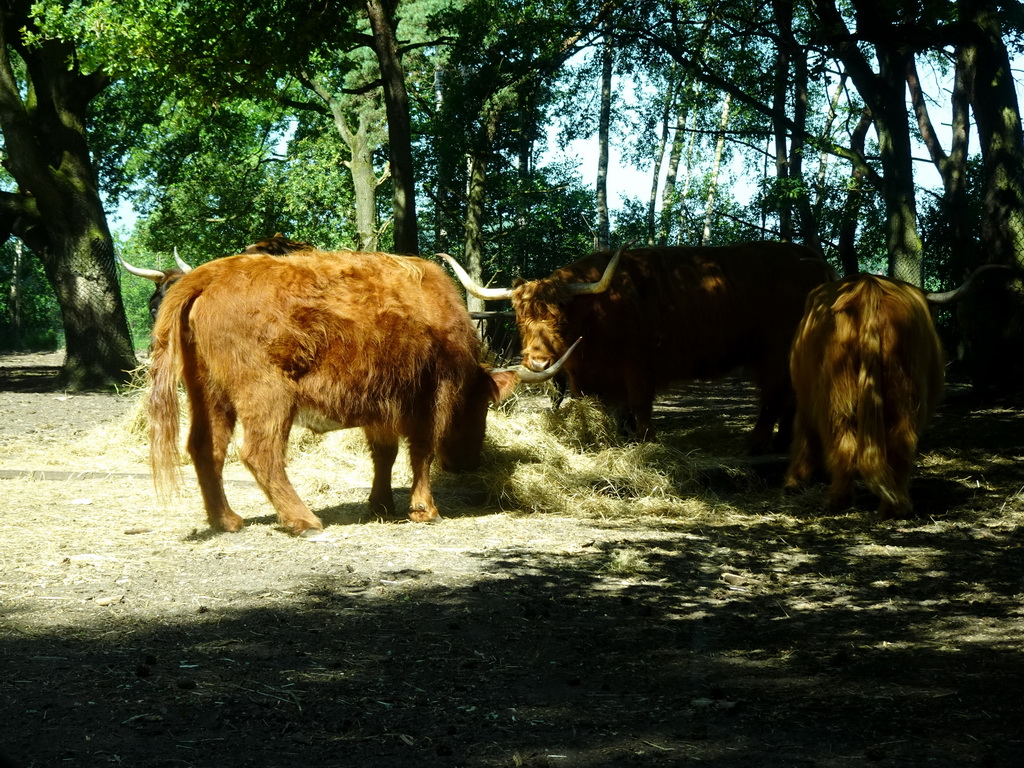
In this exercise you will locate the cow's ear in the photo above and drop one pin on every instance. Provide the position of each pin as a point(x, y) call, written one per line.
point(504, 383)
point(517, 282)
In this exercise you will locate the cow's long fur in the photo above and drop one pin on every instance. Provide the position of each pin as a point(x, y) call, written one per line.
point(341, 339)
point(867, 367)
point(672, 315)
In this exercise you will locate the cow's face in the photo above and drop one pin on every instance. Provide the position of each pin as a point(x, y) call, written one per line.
point(459, 450)
point(161, 290)
point(540, 314)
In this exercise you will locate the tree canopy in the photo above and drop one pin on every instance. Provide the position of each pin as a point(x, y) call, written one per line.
point(421, 125)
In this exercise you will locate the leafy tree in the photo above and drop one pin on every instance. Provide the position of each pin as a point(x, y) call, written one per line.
point(495, 78)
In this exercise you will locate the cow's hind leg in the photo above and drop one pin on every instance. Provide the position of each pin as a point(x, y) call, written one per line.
point(212, 425)
point(901, 452)
point(842, 468)
point(383, 449)
point(263, 452)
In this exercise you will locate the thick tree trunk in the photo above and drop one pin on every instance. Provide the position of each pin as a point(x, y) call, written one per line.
point(57, 212)
point(364, 185)
point(992, 314)
point(884, 93)
point(893, 129)
point(396, 101)
point(990, 89)
point(81, 269)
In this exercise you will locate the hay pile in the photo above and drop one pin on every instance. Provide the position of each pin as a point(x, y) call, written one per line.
point(569, 461)
point(572, 461)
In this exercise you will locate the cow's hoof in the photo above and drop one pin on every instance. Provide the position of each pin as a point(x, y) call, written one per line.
point(421, 514)
point(228, 523)
point(304, 527)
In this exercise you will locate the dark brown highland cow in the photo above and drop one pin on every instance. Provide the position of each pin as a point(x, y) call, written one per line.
point(653, 317)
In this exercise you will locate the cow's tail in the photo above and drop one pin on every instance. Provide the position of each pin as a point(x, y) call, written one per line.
point(166, 366)
point(872, 459)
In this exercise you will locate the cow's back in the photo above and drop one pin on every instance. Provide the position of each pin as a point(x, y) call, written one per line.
point(357, 338)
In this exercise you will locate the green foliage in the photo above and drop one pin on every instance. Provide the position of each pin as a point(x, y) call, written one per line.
point(237, 174)
point(945, 265)
point(211, 131)
point(534, 224)
point(539, 223)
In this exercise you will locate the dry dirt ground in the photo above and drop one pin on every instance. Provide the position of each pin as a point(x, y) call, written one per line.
point(729, 627)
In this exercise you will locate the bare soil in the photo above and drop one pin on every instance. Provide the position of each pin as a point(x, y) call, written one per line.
point(754, 631)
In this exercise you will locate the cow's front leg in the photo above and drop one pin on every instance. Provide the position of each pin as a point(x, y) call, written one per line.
point(383, 449)
point(641, 404)
point(421, 455)
point(802, 456)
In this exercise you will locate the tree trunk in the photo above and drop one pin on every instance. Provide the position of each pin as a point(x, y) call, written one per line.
point(57, 211)
point(659, 154)
point(952, 166)
point(809, 234)
point(396, 101)
point(361, 146)
point(364, 186)
point(603, 138)
point(14, 298)
point(826, 139)
point(854, 200)
point(990, 89)
point(991, 315)
point(670, 195)
point(719, 149)
point(893, 129)
point(784, 179)
point(476, 198)
point(884, 94)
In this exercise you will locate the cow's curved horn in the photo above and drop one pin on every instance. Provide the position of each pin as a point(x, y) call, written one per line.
point(536, 377)
point(601, 285)
point(471, 286)
point(182, 264)
point(951, 297)
point(156, 275)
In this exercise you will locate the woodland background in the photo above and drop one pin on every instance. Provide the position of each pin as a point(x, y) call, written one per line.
point(886, 133)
